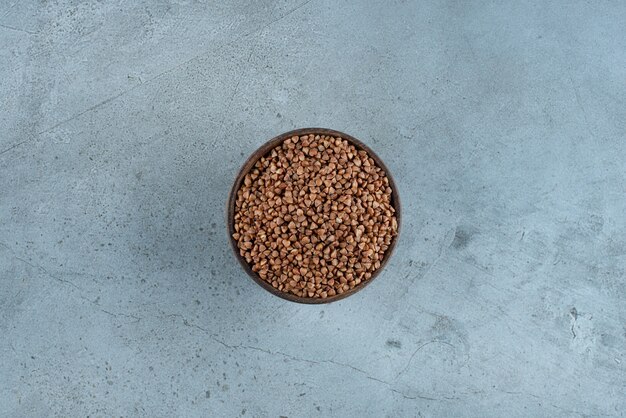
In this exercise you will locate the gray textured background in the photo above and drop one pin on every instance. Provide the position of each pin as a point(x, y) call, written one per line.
point(123, 125)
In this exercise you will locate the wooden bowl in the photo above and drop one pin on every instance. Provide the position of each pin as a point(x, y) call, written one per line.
point(249, 164)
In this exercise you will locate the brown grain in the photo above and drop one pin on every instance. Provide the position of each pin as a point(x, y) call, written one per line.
point(314, 217)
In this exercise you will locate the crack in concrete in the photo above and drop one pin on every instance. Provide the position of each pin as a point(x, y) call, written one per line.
point(40, 268)
point(234, 93)
point(18, 29)
point(13, 146)
point(574, 314)
point(571, 411)
point(49, 274)
point(278, 19)
point(90, 109)
point(418, 349)
point(113, 314)
point(169, 70)
point(441, 253)
point(136, 318)
point(580, 105)
point(308, 361)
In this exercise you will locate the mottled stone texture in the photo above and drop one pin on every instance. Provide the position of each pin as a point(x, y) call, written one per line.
point(123, 124)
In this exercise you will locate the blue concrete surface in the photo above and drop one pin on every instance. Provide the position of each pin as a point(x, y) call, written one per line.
point(123, 125)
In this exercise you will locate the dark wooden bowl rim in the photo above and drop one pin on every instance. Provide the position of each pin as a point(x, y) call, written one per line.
point(262, 151)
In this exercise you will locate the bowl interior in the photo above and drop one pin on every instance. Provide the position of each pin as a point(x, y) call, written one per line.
point(249, 164)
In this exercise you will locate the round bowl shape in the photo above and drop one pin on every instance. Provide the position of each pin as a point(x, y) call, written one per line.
point(264, 150)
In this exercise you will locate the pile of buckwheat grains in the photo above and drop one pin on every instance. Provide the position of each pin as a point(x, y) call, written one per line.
point(314, 216)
